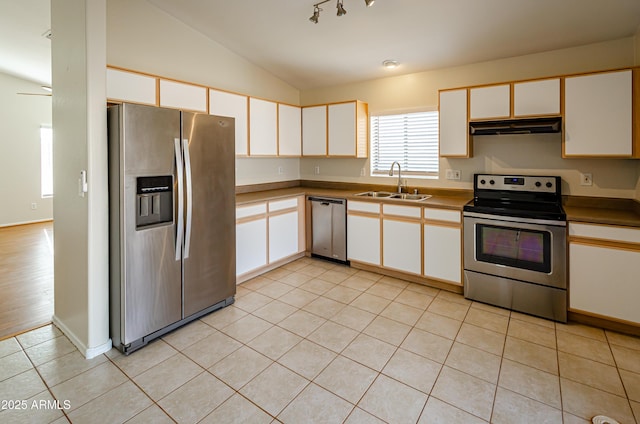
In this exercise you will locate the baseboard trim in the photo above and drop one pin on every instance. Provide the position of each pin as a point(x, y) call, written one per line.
point(17, 224)
point(88, 352)
point(595, 320)
point(259, 271)
point(452, 287)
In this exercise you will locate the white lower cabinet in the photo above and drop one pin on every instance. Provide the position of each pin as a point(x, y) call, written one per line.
point(442, 243)
point(268, 232)
point(363, 232)
point(401, 245)
point(604, 275)
point(283, 235)
point(363, 240)
point(251, 245)
point(442, 253)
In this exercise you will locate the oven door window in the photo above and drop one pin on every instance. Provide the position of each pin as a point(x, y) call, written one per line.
point(514, 247)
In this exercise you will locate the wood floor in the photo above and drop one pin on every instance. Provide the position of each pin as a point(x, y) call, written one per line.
point(26, 277)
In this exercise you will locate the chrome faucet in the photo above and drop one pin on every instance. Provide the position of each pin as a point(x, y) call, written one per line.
point(399, 175)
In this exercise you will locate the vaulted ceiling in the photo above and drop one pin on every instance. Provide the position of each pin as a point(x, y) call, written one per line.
point(420, 34)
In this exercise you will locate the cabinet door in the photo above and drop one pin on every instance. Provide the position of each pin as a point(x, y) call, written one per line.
point(251, 245)
point(536, 98)
point(490, 102)
point(314, 131)
point(401, 245)
point(604, 281)
point(235, 106)
point(442, 253)
point(598, 115)
point(289, 130)
point(363, 239)
point(263, 128)
point(183, 96)
point(454, 128)
point(131, 87)
point(342, 129)
point(283, 236)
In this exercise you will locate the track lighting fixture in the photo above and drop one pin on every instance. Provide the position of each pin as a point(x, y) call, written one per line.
point(316, 14)
point(339, 5)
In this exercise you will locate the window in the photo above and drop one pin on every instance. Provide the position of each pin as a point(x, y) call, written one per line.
point(409, 138)
point(46, 161)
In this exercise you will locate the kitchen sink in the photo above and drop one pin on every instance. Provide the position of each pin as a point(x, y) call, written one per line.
point(398, 196)
point(375, 194)
point(408, 196)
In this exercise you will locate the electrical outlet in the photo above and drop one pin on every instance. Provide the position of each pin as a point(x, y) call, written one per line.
point(34, 206)
point(280, 170)
point(586, 179)
point(453, 174)
point(363, 172)
point(317, 170)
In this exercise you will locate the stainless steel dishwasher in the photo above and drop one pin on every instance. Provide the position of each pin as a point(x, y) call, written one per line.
point(329, 228)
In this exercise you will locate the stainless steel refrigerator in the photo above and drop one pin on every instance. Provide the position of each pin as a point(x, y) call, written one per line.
point(172, 220)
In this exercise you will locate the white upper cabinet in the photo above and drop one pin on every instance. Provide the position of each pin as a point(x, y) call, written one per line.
point(314, 131)
point(535, 98)
point(342, 129)
point(490, 102)
point(289, 130)
point(235, 106)
point(130, 87)
point(263, 127)
point(183, 96)
point(336, 130)
point(599, 115)
point(454, 128)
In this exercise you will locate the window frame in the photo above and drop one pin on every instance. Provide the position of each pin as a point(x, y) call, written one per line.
point(432, 174)
point(46, 161)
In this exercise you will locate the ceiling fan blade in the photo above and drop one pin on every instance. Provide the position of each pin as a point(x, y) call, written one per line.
point(35, 94)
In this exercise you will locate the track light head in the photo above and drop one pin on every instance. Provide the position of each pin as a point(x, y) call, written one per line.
point(341, 9)
point(316, 15)
point(369, 3)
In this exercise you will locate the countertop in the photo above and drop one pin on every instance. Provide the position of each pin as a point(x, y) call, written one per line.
point(442, 199)
point(611, 211)
point(625, 212)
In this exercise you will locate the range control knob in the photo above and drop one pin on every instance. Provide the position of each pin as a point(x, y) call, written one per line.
point(492, 182)
point(483, 182)
point(538, 183)
point(549, 185)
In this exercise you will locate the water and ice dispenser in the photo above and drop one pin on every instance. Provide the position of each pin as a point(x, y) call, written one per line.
point(154, 201)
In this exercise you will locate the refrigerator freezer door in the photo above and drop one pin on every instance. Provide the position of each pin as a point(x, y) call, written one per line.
point(209, 269)
point(151, 291)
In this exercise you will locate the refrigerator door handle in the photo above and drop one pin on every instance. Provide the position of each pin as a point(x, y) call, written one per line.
point(189, 190)
point(178, 197)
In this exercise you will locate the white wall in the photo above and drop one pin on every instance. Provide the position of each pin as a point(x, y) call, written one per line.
point(80, 143)
point(523, 154)
point(143, 38)
point(22, 117)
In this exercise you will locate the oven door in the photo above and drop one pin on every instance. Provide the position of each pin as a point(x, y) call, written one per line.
point(509, 248)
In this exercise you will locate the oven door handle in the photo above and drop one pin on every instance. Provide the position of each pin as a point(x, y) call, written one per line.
point(514, 219)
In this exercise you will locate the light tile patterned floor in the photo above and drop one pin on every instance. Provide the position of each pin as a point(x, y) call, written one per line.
point(316, 342)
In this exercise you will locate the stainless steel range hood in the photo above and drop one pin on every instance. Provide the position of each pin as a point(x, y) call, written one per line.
point(516, 126)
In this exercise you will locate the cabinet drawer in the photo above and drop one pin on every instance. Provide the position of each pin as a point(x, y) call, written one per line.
point(251, 210)
point(605, 232)
point(442, 215)
point(408, 211)
point(278, 205)
point(363, 207)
